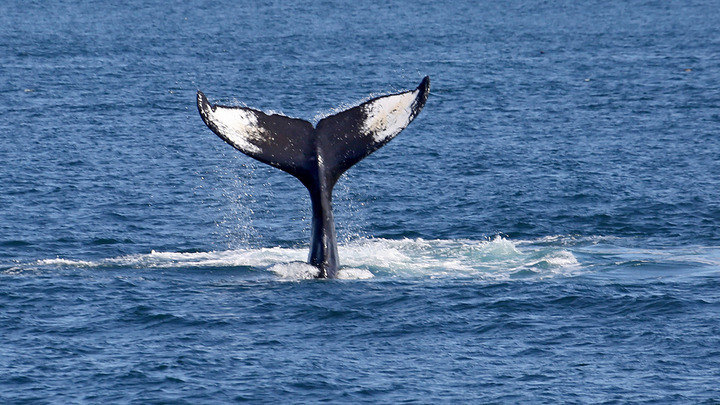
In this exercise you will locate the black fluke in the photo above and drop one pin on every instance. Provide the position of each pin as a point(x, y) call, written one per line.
point(317, 156)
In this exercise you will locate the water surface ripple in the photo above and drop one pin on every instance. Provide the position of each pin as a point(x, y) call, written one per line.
point(546, 231)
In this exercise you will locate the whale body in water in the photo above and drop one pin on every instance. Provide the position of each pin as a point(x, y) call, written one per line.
point(318, 155)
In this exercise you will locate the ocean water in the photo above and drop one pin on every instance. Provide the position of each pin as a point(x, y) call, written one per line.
point(547, 230)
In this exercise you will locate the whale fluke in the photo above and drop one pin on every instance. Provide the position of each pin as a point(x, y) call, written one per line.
point(318, 155)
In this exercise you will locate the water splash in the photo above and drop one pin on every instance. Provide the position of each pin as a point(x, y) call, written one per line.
point(494, 259)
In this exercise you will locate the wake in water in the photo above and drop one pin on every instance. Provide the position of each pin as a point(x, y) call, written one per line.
point(495, 259)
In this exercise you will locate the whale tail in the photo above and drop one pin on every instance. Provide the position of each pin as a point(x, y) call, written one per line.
point(318, 155)
point(338, 142)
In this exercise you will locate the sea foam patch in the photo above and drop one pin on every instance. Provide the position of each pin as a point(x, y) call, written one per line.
point(494, 259)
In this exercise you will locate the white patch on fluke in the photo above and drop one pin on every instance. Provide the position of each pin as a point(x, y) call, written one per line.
point(387, 116)
point(239, 126)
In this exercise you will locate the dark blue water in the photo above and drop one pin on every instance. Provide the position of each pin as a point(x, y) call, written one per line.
point(547, 230)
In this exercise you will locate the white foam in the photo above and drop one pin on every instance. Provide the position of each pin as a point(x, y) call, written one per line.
point(303, 271)
point(561, 258)
point(491, 259)
point(65, 262)
point(354, 274)
point(295, 271)
point(495, 259)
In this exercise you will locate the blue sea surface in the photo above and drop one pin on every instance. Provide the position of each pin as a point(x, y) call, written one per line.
point(546, 231)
